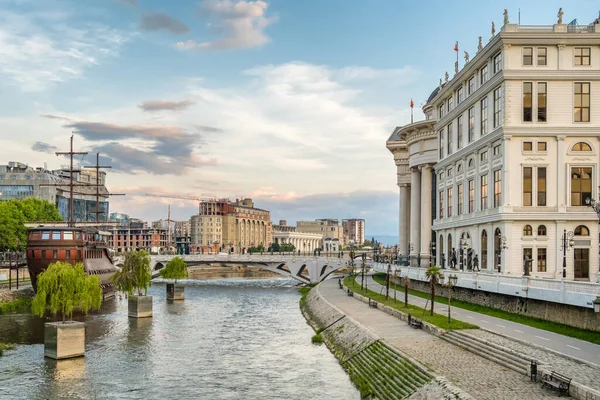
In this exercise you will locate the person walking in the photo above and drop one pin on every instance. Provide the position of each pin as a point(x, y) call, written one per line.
point(476, 263)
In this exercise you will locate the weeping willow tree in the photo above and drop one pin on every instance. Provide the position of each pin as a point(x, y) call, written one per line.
point(135, 273)
point(175, 269)
point(64, 287)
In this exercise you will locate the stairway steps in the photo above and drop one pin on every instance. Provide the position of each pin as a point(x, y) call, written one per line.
point(471, 341)
point(397, 386)
point(376, 379)
point(417, 374)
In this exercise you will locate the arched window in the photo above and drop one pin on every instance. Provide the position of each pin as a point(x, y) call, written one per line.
point(484, 244)
point(449, 249)
point(542, 230)
point(471, 162)
point(527, 230)
point(443, 260)
point(582, 230)
point(497, 248)
point(459, 168)
point(581, 146)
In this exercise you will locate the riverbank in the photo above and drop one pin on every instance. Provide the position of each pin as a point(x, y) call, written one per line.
point(15, 300)
point(376, 368)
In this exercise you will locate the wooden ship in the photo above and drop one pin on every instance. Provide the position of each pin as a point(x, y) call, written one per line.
point(51, 242)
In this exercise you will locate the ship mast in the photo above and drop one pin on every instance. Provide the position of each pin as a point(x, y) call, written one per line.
point(97, 167)
point(71, 153)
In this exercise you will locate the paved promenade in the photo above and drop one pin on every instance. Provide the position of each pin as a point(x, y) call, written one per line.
point(481, 378)
point(580, 349)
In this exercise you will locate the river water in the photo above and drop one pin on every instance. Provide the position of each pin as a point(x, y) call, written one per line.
point(229, 339)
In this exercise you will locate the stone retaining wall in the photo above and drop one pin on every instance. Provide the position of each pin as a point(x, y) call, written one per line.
point(12, 295)
point(579, 317)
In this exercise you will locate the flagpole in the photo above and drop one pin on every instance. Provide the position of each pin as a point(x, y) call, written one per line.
point(411, 110)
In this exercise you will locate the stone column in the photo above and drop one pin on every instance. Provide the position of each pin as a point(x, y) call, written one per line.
point(415, 215)
point(403, 233)
point(426, 216)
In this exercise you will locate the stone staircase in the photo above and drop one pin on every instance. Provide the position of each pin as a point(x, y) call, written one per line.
point(388, 375)
point(488, 350)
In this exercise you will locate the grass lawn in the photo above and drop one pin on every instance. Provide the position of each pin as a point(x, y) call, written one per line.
point(438, 320)
point(561, 329)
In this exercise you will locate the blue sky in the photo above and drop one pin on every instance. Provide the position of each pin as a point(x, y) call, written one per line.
point(288, 102)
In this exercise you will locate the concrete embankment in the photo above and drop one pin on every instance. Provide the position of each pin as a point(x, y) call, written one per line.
point(376, 368)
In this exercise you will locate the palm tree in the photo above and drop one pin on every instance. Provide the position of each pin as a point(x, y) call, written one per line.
point(433, 274)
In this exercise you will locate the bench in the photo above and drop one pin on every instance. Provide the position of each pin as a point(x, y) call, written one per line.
point(556, 381)
point(350, 293)
point(372, 303)
point(415, 323)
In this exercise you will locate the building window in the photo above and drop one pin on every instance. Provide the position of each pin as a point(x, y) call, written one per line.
point(582, 230)
point(441, 176)
point(55, 235)
point(68, 235)
point(541, 186)
point(527, 55)
point(527, 102)
point(449, 103)
point(497, 63)
point(484, 249)
point(542, 56)
point(542, 146)
point(542, 230)
point(43, 254)
point(471, 195)
point(55, 254)
point(441, 111)
point(497, 188)
point(582, 56)
point(582, 102)
point(460, 198)
point(483, 157)
point(542, 101)
point(471, 114)
point(459, 168)
point(449, 202)
point(581, 146)
point(459, 95)
point(527, 146)
point(442, 204)
point(484, 116)
point(471, 162)
point(471, 85)
point(527, 186)
point(68, 254)
point(581, 185)
point(449, 173)
point(541, 260)
point(496, 150)
point(527, 230)
point(79, 254)
point(449, 130)
point(497, 107)
point(441, 135)
point(484, 192)
point(527, 258)
point(483, 75)
point(459, 133)
point(45, 235)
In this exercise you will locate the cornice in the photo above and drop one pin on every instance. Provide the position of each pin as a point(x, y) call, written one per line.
point(550, 131)
point(474, 147)
point(421, 136)
point(544, 74)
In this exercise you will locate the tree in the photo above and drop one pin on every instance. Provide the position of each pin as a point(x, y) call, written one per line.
point(175, 269)
point(287, 247)
point(13, 216)
point(406, 281)
point(135, 274)
point(275, 247)
point(64, 287)
point(434, 274)
point(257, 249)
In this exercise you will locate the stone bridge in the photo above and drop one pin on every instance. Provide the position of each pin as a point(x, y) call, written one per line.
point(306, 268)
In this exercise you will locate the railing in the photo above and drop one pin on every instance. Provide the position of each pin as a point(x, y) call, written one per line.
point(580, 28)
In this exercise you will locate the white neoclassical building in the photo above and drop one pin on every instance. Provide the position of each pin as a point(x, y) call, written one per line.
point(305, 242)
point(518, 147)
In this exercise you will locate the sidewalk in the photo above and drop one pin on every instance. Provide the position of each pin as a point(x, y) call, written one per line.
point(481, 378)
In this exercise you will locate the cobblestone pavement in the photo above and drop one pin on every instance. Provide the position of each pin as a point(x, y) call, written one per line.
point(583, 373)
point(481, 378)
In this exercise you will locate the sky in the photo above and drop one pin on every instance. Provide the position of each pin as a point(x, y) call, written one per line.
point(287, 102)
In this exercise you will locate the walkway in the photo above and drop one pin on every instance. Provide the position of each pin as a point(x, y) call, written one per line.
point(481, 378)
point(580, 349)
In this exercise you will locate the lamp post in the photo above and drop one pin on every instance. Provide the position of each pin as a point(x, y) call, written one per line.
point(567, 243)
point(452, 279)
point(363, 286)
point(411, 248)
point(595, 205)
point(431, 252)
point(387, 281)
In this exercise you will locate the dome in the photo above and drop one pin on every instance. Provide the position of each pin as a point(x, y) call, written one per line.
point(433, 94)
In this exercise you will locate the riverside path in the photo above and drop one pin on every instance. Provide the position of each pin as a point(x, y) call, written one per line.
point(576, 348)
point(481, 378)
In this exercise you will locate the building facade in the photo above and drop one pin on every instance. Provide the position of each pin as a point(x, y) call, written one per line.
point(328, 228)
point(518, 146)
point(354, 230)
point(136, 236)
point(19, 181)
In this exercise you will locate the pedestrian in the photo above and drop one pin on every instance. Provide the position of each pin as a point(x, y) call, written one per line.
point(453, 258)
point(476, 263)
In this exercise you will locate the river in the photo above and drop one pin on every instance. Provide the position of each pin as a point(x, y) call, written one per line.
point(230, 339)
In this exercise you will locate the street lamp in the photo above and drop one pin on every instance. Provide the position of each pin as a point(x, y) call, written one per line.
point(594, 204)
point(431, 251)
point(452, 280)
point(464, 246)
point(567, 243)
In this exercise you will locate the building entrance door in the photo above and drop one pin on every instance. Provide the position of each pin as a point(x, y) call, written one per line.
point(582, 263)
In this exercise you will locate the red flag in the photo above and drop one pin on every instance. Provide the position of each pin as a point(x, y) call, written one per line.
point(456, 47)
point(411, 103)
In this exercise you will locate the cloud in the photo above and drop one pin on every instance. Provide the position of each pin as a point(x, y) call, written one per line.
point(132, 3)
point(43, 147)
point(208, 129)
point(161, 21)
point(240, 24)
point(160, 105)
point(39, 50)
point(395, 76)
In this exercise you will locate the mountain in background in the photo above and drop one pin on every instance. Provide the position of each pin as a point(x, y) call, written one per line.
point(387, 240)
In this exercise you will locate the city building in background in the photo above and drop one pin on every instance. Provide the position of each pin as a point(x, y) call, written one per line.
point(518, 138)
point(302, 241)
point(329, 228)
point(19, 181)
point(119, 218)
point(183, 236)
point(354, 230)
point(138, 236)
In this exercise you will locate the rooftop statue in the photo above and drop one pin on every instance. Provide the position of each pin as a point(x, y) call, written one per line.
point(560, 14)
point(440, 83)
point(466, 57)
point(447, 76)
point(493, 29)
point(505, 16)
point(479, 46)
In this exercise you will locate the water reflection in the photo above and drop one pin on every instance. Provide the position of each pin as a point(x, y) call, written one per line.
point(229, 339)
